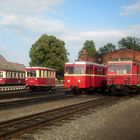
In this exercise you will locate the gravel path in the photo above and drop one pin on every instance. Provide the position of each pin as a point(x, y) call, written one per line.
point(119, 122)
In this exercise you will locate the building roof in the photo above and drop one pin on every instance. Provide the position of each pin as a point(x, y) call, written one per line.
point(10, 66)
point(17, 66)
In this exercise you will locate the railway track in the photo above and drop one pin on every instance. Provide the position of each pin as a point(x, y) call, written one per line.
point(32, 100)
point(21, 125)
point(28, 93)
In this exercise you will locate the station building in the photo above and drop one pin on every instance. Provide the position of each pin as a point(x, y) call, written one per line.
point(104, 58)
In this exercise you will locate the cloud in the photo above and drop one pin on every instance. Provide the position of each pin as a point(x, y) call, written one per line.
point(27, 7)
point(32, 26)
point(26, 18)
point(131, 9)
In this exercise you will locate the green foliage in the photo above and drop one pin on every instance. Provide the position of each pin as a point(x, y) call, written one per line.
point(129, 43)
point(109, 47)
point(48, 51)
point(89, 46)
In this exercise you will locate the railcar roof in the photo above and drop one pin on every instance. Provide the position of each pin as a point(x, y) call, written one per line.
point(39, 68)
point(85, 62)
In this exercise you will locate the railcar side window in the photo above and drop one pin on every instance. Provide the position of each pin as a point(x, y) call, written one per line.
point(112, 68)
point(87, 70)
point(126, 69)
point(1, 74)
point(95, 71)
point(78, 70)
point(69, 70)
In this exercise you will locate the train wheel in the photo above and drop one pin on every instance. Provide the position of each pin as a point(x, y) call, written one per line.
point(113, 90)
point(125, 90)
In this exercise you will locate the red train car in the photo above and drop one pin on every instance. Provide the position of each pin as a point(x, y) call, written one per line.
point(8, 77)
point(123, 76)
point(40, 78)
point(82, 75)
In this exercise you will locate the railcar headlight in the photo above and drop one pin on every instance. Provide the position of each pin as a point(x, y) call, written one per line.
point(68, 81)
point(109, 79)
point(79, 81)
point(127, 79)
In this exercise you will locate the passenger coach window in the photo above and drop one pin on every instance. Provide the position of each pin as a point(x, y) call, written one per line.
point(126, 69)
point(31, 73)
point(1, 74)
point(49, 74)
point(69, 70)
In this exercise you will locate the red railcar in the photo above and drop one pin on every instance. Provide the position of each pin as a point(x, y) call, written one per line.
point(123, 76)
point(82, 75)
point(40, 78)
point(9, 77)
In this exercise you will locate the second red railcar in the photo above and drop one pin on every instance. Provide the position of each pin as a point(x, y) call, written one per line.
point(82, 75)
point(40, 78)
point(123, 76)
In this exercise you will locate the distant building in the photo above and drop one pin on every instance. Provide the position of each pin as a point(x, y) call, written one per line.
point(11, 66)
point(103, 58)
point(84, 57)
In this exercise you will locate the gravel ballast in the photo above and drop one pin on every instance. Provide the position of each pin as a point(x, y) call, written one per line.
point(118, 121)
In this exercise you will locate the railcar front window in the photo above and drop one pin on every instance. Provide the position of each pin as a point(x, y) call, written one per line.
point(112, 68)
point(119, 69)
point(31, 73)
point(1, 74)
point(126, 69)
point(69, 70)
point(79, 70)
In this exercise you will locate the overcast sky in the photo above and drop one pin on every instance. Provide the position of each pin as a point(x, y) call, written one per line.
point(22, 22)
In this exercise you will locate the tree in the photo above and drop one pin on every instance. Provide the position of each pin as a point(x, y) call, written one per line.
point(129, 43)
point(48, 51)
point(109, 47)
point(89, 46)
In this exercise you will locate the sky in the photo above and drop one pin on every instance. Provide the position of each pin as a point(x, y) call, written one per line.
point(73, 21)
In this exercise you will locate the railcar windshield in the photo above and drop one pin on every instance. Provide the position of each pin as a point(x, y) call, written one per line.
point(78, 70)
point(69, 69)
point(119, 68)
point(126, 69)
point(112, 68)
point(31, 73)
point(1, 74)
point(74, 70)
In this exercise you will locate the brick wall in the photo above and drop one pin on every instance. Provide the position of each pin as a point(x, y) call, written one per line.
point(116, 54)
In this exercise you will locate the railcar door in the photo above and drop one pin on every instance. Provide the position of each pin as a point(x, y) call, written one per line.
point(138, 69)
point(134, 73)
point(89, 73)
